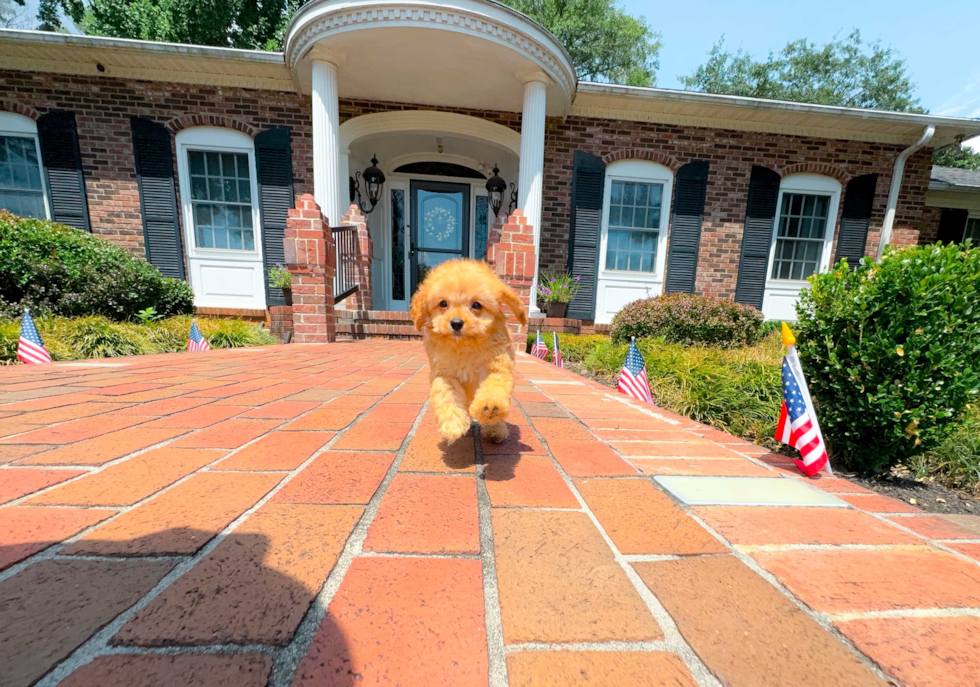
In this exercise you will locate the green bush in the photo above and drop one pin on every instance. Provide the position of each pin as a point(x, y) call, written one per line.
point(956, 461)
point(688, 319)
point(59, 270)
point(574, 347)
point(892, 352)
point(99, 337)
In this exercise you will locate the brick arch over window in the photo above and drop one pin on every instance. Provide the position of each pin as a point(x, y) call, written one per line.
point(187, 121)
point(19, 108)
point(815, 168)
point(641, 154)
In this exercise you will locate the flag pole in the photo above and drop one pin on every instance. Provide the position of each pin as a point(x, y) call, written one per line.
point(789, 341)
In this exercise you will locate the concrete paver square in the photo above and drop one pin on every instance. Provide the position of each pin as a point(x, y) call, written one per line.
point(402, 621)
point(745, 491)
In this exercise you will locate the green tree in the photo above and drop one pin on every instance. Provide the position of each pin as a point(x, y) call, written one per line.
point(605, 43)
point(252, 24)
point(957, 156)
point(848, 72)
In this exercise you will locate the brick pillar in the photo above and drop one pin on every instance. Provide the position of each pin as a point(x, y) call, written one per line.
point(362, 298)
point(510, 252)
point(311, 259)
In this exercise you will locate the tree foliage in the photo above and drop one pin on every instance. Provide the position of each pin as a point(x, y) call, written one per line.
point(605, 43)
point(848, 72)
point(957, 156)
point(256, 24)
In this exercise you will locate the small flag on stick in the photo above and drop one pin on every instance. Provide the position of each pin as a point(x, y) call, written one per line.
point(633, 379)
point(798, 426)
point(30, 348)
point(197, 342)
point(556, 354)
point(538, 349)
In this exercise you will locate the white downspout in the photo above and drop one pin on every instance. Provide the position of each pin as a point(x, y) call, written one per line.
point(898, 172)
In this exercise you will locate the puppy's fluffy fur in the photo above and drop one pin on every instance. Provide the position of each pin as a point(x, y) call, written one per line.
point(471, 365)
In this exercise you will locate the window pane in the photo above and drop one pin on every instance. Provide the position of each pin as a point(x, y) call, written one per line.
point(482, 228)
point(223, 179)
point(629, 194)
point(21, 189)
point(398, 245)
point(614, 213)
point(196, 158)
point(802, 225)
point(616, 196)
point(634, 210)
point(214, 164)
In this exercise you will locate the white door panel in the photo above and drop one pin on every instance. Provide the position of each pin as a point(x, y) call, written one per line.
point(219, 284)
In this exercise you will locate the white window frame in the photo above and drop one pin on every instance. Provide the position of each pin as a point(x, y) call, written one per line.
point(214, 139)
point(972, 217)
point(615, 288)
point(780, 297)
point(13, 124)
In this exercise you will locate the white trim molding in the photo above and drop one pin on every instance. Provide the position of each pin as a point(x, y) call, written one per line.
point(781, 295)
point(616, 288)
point(221, 278)
point(428, 121)
point(490, 21)
point(21, 126)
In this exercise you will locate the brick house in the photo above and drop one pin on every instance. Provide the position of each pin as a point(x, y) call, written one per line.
point(191, 157)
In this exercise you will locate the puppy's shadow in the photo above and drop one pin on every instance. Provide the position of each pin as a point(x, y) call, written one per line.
point(500, 460)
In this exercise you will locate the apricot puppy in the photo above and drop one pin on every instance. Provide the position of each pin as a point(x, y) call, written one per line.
point(459, 309)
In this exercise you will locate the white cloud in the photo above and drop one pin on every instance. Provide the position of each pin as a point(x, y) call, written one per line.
point(966, 102)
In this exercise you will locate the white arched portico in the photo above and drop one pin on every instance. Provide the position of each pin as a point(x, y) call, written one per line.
point(473, 54)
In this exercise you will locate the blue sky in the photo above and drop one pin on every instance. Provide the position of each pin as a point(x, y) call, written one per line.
point(940, 40)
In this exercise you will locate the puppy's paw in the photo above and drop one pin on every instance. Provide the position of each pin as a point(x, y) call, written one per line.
point(496, 433)
point(454, 426)
point(489, 409)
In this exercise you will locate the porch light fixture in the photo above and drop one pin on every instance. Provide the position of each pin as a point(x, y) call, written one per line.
point(495, 190)
point(374, 181)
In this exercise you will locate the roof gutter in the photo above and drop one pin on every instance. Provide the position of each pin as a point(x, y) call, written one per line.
point(898, 172)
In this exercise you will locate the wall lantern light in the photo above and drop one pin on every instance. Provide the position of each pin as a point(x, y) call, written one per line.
point(374, 181)
point(495, 190)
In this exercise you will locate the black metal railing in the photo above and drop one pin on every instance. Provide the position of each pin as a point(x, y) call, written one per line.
point(345, 276)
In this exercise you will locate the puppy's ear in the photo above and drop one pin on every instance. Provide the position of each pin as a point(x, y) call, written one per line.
point(420, 306)
point(508, 296)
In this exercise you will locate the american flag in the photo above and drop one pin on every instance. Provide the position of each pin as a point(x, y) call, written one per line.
point(30, 348)
point(633, 379)
point(538, 349)
point(556, 354)
point(196, 342)
point(798, 424)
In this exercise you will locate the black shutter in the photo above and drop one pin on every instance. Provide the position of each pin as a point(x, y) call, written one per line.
point(158, 196)
point(685, 230)
point(858, 200)
point(62, 159)
point(952, 225)
point(588, 176)
point(275, 168)
point(757, 237)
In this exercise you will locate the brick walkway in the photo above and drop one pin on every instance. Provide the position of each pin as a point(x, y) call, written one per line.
point(287, 516)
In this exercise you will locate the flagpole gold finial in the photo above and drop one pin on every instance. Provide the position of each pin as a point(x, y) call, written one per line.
point(788, 338)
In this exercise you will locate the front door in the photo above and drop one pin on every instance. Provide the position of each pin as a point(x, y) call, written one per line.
point(440, 226)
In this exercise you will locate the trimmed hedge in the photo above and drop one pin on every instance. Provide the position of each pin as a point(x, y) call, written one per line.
point(99, 337)
point(54, 269)
point(688, 319)
point(892, 352)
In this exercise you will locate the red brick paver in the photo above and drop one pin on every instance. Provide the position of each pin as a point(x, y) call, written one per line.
point(324, 533)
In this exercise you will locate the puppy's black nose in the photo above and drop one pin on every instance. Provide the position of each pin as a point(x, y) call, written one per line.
point(456, 323)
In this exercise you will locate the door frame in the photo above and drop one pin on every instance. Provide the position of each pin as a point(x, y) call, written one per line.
point(416, 185)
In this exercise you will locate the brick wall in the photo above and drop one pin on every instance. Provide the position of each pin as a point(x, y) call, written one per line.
point(731, 155)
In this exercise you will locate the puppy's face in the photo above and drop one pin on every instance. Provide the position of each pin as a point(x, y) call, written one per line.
point(460, 301)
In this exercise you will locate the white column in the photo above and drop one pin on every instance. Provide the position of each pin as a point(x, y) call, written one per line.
point(326, 140)
point(530, 183)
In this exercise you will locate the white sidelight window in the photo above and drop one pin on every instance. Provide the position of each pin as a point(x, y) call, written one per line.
point(220, 208)
point(633, 242)
point(803, 234)
point(22, 187)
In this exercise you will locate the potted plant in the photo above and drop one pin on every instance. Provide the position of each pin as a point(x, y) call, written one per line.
point(557, 289)
point(279, 278)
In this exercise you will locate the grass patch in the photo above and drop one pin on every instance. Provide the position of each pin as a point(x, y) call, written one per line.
point(98, 337)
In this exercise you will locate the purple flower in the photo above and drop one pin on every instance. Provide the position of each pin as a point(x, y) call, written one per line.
point(578, 278)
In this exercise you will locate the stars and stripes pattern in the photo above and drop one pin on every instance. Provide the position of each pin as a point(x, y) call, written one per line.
point(798, 426)
point(556, 354)
point(30, 348)
point(197, 342)
point(633, 378)
point(538, 349)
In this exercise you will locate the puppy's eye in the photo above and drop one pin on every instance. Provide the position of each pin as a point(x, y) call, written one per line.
point(477, 306)
point(443, 304)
